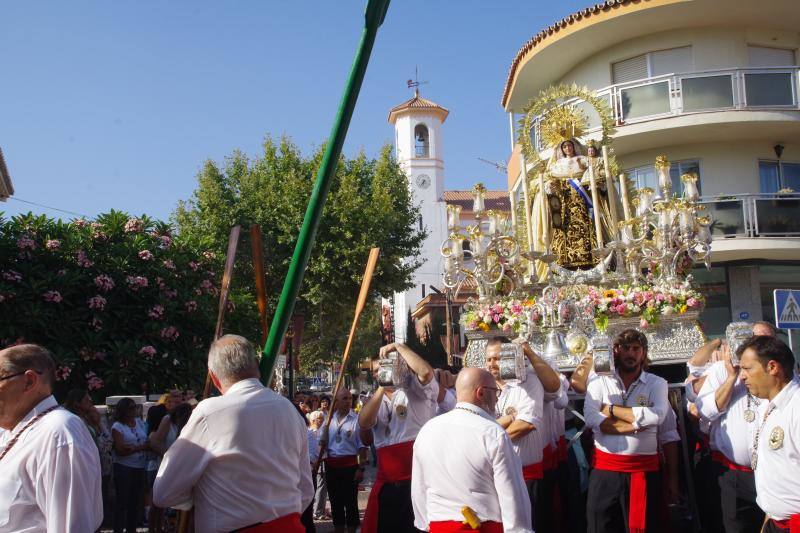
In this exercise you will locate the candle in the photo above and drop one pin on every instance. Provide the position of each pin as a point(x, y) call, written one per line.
point(478, 206)
point(546, 232)
point(645, 201)
point(704, 232)
point(456, 247)
point(690, 191)
point(686, 220)
point(612, 192)
point(623, 189)
point(598, 232)
point(492, 225)
point(449, 264)
point(664, 179)
point(453, 216)
point(476, 244)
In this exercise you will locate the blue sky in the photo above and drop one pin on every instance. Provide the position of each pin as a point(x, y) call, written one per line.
point(117, 104)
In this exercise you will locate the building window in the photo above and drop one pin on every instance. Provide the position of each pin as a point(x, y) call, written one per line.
point(671, 61)
point(777, 175)
point(646, 176)
point(421, 141)
point(713, 284)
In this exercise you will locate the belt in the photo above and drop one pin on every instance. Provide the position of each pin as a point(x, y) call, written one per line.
point(285, 524)
point(549, 459)
point(453, 526)
point(792, 524)
point(534, 471)
point(344, 461)
point(394, 466)
point(719, 457)
point(636, 466)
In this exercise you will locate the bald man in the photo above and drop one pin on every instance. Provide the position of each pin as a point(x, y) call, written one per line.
point(344, 463)
point(465, 459)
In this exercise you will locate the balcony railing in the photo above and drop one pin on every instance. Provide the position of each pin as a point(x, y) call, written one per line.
point(696, 92)
point(754, 215)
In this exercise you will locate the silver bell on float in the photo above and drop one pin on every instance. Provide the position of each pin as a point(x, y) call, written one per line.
point(555, 351)
point(736, 333)
point(392, 371)
point(601, 348)
point(512, 361)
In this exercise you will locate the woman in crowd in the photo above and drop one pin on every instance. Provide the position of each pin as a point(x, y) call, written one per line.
point(130, 447)
point(160, 441)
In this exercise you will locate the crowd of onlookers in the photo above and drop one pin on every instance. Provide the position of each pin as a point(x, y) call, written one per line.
point(130, 453)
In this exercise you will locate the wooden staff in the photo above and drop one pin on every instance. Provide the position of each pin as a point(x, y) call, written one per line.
point(261, 286)
point(225, 289)
point(362, 300)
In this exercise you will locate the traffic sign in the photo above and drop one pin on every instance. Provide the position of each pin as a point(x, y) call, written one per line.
point(787, 309)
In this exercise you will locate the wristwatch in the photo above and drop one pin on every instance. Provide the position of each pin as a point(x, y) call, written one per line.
point(611, 410)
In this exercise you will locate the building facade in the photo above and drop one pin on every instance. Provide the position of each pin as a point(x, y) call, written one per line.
point(711, 84)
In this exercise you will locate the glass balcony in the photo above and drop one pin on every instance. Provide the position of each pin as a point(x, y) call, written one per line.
point(754, 215)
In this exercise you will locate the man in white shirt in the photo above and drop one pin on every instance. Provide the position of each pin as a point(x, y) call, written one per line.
point(49, 467)
point(767, 370)
point(624, 411)
point(242, 459)
point(345, 462)
point(464, 459)
point(395, 417)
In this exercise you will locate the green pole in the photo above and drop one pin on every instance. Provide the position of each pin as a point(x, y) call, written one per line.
point(373, 18)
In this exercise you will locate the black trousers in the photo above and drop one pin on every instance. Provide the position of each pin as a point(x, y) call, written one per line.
point(542, 504)
point(395, 513)
point(343, 493)
point(770, 527)
point(706, 475)
point(609, 497)
point(737, 494)
point(307, 518)
point(128, 505)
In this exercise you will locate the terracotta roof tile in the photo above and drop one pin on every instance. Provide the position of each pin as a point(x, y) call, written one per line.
point(6, 187)
point(418, 102)
point(554, 28)
point(497, 200)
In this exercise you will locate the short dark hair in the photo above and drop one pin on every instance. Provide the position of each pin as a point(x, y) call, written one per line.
point(631, 336)
point(770, 349)
point(24, 357)
point(73, 400)
point(122, 408)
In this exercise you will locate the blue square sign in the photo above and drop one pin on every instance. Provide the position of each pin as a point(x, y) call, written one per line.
point(787, 309)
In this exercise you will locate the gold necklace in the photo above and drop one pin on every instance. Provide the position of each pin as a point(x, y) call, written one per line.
point(32, 421)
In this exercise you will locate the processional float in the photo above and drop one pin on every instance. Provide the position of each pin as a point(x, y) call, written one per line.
point(586, 255)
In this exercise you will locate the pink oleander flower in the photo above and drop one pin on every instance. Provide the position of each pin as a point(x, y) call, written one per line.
point(52, 244)
point(86, 353)
point(194, 266)
point(169, 264)
point(26, 243)
point(12, 276)
point(96, 323)
point(53, 297)
point(61, 273)
point(104, 283)
point(83, 259)
point(160, 282)
point(100, 235)
point(137, 282)
point(134, 225)
point(148, 351)
point(170, 294)
point(62, 373)
point(156, 312)
point(170, 333)
point(165, 241)
point(191, 306)
point(97, 302)
point(146, 255)
point(93, 381)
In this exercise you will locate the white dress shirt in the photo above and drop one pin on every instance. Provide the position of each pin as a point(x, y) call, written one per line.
point(647, 396)
point(554, 405)
point(668, 430)
point(344, 432)
point(50, 479)
point(401, 417)
point(730, 433)
point(241, 459)
point(448, 403)
point(464, 458)
point(525, 401)
point(778, 466)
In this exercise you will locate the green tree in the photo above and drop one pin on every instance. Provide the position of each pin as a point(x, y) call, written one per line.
point(369, 205)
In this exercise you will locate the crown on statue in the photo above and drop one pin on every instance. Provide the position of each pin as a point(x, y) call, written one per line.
point(561, 124)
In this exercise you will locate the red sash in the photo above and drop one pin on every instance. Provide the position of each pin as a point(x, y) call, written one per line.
point(792, 525)
point(394, 464)
point(549, 460)
point(285, 524)
point(563, 446)
point(636, 466)
point(451, 526)
point(343, 461)
point(534, 471)
point(719, 457)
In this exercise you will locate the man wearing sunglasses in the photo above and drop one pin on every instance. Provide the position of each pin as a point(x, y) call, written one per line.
point(49, 465)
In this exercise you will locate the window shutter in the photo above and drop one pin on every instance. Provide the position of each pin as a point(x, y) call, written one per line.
point(761, 56)
point(631, 69)
point(672, 61)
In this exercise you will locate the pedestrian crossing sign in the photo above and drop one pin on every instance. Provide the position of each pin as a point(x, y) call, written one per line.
point(787, 309)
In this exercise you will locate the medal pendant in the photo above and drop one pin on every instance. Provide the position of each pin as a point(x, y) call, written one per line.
point(749, 415)
point(776, 438)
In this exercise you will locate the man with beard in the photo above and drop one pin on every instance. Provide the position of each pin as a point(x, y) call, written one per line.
point(767, 370)
point(395, 417)
point(520, 411)
point(464, 465)
point(345, 463)
point(624, 411)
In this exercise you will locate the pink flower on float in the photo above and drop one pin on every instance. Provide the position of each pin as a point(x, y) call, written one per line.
point(12, 276)
point(660, 297)
point(104, 283)
point(170, 333)
point(148, 351)
point(134, 225)
point(83, 259)
point(26, 243)
point(191, 306)
point(52, 244)
point(693, 302)
point(473, 325)
point(97, 302)
point(146, 255)
point(53, 297)
point(169, 264)
point(506, 327)
point(496, 318)
point(497, 309)
point(156, 312)
point(643, 323)
point(93, 382)
point(62, 373)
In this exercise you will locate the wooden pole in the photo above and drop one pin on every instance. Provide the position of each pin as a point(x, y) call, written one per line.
point(362, 300)
point(258, 271)
point(448, 327)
